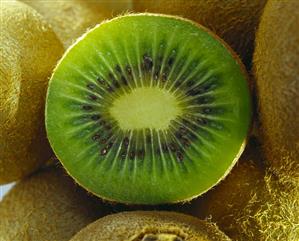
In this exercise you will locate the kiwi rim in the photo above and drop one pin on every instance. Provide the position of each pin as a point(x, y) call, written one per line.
point(229, 50)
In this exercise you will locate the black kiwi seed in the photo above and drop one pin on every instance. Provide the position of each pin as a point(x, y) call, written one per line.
point(129, 71)
point(96, 137)
point(126, 142)
point(202, 121)
point(104, 151)
point(147, 62)
point(91, 86)
point(92, 97)
point(124, 80)
point(101, 81)
point(172, 147)
point(87, 107)
point(118, 69)
point(207, 110)
point(95, 117)
point(180, 156)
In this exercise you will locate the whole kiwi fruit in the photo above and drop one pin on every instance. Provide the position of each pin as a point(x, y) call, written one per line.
point(150, 225)
point(115, 7)
point(276, 70)
point(46, 206)
point(144, 100)
point(252, 204)
point(29, 50)
point(235, 21)
point(71, 18)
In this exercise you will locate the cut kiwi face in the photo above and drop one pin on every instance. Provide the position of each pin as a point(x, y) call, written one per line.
point(148, 109)
point(150, 226)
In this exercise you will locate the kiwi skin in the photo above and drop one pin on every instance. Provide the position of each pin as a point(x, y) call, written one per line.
point(276, 70)
point(235, 21)
point(46, 206)
point(252, 204)
point(29, 51)
point(70, 18)
point(150, 225)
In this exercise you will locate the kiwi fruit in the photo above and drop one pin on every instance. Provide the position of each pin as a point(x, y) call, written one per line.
point(235, 21)
point(148, 109)
point(251, 204)
point(29, 50)
point(116, 7)
point(46, 206)
point(150, 226)
point(71, 18)
point(276, 69)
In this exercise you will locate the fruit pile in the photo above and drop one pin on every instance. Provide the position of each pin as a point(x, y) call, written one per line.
point(149, 120)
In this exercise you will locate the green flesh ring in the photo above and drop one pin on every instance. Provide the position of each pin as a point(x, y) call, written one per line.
point(148, 109)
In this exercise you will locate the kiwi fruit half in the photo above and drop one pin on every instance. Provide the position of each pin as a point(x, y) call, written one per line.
point(150, 226)
point(251, 204)
point(71, 18)
point(29, 50)
point(46, 206)
point(276, 69)
point(148, 109)
point(235, 21)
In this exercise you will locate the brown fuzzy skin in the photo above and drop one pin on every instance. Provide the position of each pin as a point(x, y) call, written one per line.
point(251, 205)
point(235, 20)
point(276, 69)
point(71, 18)
point(29, 51)
point(115, 7)
point(150, 225)
point(46, 207)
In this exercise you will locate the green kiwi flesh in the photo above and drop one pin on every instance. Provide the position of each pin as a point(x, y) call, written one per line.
point(46, 206)
point(24, 74)
point(150, 226)
point(148, 109)
point(276, 70)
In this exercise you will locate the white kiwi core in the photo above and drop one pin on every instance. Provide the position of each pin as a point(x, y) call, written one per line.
point(145, 107)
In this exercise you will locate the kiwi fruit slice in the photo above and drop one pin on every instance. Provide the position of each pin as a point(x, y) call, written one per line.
point(71, 18)
point(148, 109)
point(235, 21)
point(251, 204)
point(276, 69)
point(24, 73)
point(150, 226)
point(46, 206)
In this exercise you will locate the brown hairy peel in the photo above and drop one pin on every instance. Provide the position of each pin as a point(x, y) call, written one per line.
point(29, 50)
point(71, 18)
point(235, 21)
point(150, 225)
point(46, 206)
point(252, 204)
point(276, 70)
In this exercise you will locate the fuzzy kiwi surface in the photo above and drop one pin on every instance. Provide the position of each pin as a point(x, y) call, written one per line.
point(276, 70)
point(148, 109)
point(252, 204)
point(116, 7)
point(46, 206)
point(147, 226)
point(235, 21)
point(29, 50)
point(71, 18)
